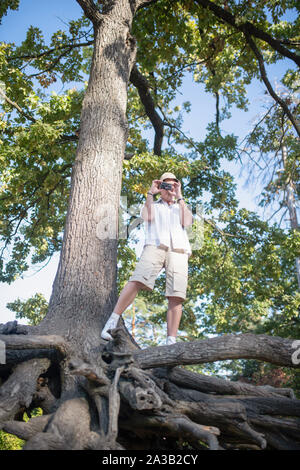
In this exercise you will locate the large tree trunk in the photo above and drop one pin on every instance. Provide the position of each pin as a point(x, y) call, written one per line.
point(99, 395)
point(84, 288)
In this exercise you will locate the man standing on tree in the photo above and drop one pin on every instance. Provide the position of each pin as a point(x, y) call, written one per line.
point(166, 245)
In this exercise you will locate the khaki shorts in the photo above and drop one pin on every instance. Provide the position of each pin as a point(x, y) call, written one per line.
point(153, 259)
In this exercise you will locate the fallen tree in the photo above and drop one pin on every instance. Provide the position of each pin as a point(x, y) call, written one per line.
point(121, 397)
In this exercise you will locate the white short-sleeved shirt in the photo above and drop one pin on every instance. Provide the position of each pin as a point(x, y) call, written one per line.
point(165, 229)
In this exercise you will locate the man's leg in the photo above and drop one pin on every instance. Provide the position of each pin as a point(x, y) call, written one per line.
point(174, 316)
point(126, 298)
point(176, 285)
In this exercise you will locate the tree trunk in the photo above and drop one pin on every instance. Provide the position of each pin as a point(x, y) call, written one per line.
point(84, 291)
point(291, 205)
point(99, 395)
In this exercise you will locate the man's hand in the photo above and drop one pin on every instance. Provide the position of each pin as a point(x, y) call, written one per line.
point(177, 189)
point(155, 187)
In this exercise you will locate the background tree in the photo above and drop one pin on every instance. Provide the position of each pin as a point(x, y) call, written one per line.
point(92, 136)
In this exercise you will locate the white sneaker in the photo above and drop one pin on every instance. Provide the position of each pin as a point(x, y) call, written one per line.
point(110, 325)
point(170, 340)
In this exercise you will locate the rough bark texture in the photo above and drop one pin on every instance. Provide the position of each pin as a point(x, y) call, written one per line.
point(99, 395)
point(84, 287)
point(123, 401)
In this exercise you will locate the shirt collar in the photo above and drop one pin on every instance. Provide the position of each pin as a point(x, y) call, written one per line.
point(160, 200)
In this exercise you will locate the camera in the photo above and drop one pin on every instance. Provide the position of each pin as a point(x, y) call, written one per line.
point(166, 186)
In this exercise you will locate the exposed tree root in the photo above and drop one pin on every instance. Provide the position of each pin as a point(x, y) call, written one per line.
point(217, 386)
point(243, 346)
point(18, 390)
point(26, 430)
point(124, 398)
point(63, 430)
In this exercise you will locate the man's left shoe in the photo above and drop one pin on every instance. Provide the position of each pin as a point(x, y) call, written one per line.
point(170, 340)
point(111, 324)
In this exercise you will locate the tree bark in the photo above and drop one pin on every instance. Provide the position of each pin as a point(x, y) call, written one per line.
point(247, 346)
point(84, 289)
point(134, 408)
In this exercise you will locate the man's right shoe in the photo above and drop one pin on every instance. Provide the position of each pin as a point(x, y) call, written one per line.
point(111, 324)
point(170, 340)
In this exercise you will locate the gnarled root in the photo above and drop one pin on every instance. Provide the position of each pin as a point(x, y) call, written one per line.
point(126, 399)
point(18, 390)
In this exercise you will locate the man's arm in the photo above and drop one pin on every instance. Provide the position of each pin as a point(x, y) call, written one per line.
point(147, 211)
point(186, 216)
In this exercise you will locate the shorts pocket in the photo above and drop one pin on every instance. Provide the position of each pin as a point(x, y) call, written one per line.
point(147, 270)
point(179, 282)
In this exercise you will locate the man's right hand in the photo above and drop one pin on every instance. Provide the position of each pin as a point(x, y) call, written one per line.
point(155, 187)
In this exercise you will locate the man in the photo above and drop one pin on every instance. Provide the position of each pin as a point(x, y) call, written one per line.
point(166, 245)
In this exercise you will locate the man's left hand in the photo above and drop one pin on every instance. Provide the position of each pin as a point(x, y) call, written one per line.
point(177, 189)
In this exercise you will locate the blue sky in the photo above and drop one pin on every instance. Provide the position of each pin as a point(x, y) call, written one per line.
point(50, 16)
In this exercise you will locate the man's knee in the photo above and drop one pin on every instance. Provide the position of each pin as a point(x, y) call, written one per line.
point(175, 300)
point(139, 285)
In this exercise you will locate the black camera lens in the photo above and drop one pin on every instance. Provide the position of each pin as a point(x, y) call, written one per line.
point(166, 186)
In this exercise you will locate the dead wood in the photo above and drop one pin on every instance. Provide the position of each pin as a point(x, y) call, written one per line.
point(122, 397)
point(272, 349)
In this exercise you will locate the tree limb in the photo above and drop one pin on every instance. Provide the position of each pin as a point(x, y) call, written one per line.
point(214, 385)
point(144, 3)
point(271, 349)
point(175, 424)
point(23, 342)
point(114, 407)
point(12, 327)
point(26, 430)
point(50, 51)
point(16, 106)
point(90, 11)
point(143, 87)
point(265, 79)
point(229, 18)
point(18, 390)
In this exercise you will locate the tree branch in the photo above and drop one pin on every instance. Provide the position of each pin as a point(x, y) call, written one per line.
point(18, 390)
point(50, 51)
point(215, 385)
point(24, 342)
point(268, 84)
point(143, 87)
point(90, 11)
point(16, 106)
point(272, 349)
point(12, 327)
point(27, 430)
point(250, 28)
point(176, 425)
point(144, 3)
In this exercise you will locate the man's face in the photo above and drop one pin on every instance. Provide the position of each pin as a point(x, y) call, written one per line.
point(168, 195)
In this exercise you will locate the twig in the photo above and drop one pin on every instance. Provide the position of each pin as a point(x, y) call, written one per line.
point(227, 17)
point(268, 84)
point(16, 106)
